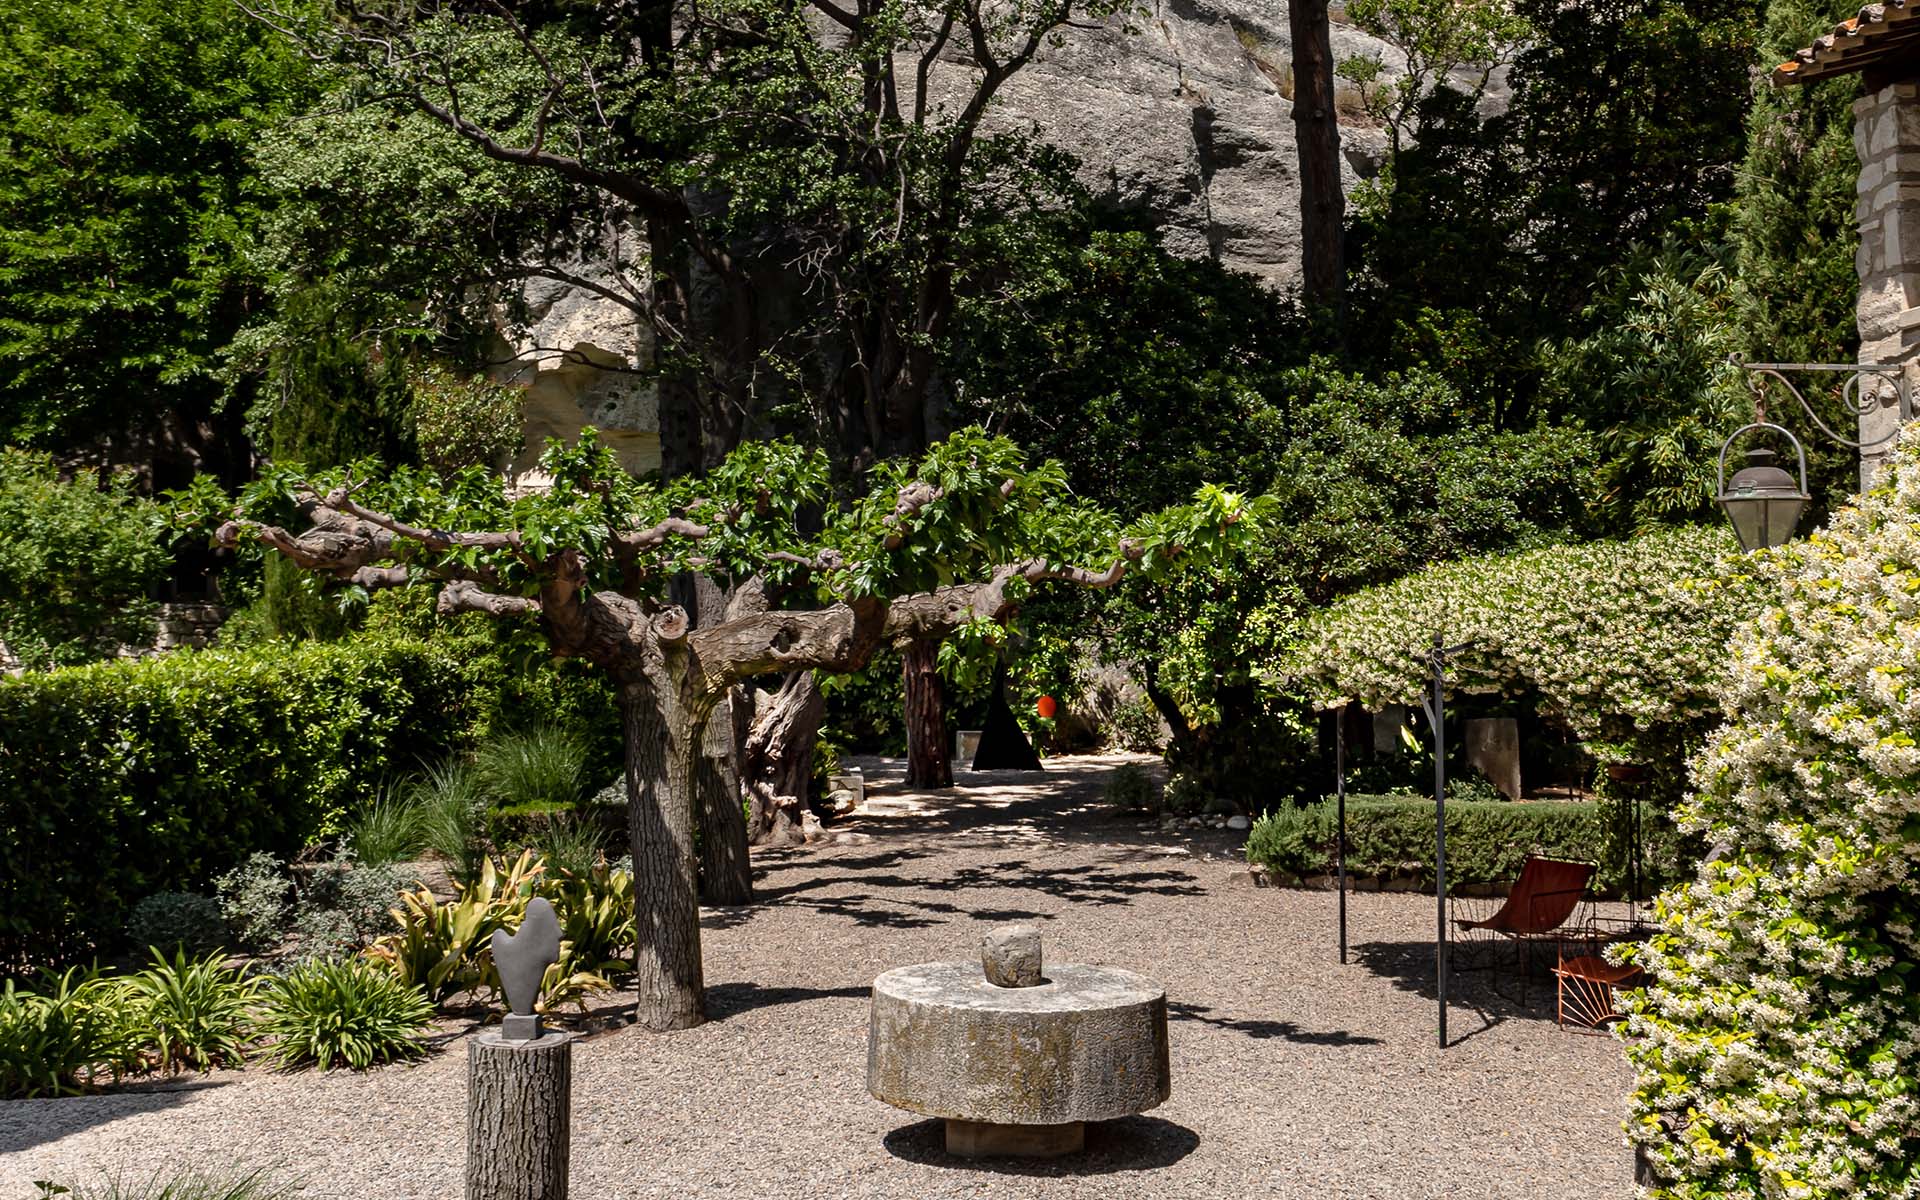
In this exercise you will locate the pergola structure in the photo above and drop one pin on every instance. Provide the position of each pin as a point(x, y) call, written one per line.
point(1880, 43)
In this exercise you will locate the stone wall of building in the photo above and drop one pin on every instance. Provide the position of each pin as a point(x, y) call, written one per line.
point(1886, 134)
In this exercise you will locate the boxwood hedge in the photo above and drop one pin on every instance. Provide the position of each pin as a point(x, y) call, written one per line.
point(1392, 836)
point(122, 779)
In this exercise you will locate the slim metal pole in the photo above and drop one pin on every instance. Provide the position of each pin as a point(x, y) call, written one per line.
point(1439, 719)
point(1340, 799)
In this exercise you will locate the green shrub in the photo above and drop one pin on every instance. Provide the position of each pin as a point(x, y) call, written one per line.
point(256, 900)
point(1131, 789)
point(1185, 794)
point(446, 948)
point(186, 764)
point(77, 560)
point(1393, 835)
point(55, 1042)
point(178, 921)
point(1136, 725)
point(193, 1012)
point(1471, 785)
point(352, 1013)
point(345, 905)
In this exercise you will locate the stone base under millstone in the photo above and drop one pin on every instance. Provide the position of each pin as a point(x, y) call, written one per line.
point(986, 1139)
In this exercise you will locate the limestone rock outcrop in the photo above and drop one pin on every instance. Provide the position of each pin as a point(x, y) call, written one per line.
point(1183, 112)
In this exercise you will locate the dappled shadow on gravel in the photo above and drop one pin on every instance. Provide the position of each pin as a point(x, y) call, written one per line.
point(732, 999)
point(860, 889)
point(68, 1115)
point(1268, 1029)
point(1493, 989)
point(1128, 1144)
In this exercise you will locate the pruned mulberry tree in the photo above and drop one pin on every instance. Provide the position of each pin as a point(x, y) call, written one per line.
point(590, 559)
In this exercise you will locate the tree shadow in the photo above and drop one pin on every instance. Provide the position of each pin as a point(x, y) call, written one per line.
point(1128, 1144)
point(1285, 1030)
point(732, 999)
point(1492, 986)
point(898, 901)
point(25, 1124)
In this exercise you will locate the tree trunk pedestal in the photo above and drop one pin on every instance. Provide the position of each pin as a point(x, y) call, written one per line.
point(519, 1127)
point(989, 1139)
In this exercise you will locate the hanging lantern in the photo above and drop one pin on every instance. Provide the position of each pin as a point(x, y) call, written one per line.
point(1762, 500)
point(1046, 707)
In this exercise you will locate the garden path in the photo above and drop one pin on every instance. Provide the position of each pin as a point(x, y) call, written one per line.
point(1294, 1077)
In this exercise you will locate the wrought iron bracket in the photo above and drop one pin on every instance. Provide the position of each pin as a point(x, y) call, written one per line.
point(1853, 391)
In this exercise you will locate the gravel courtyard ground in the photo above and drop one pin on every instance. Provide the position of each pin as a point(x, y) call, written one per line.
point(1293, 1076)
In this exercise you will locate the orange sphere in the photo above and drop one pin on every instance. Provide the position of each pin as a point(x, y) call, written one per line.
point(1046, 708)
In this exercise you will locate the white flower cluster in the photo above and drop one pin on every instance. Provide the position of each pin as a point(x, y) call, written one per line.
point(1778, 1040)
point(1617, 638)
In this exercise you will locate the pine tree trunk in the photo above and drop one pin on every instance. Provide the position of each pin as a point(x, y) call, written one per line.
point(926, 714)
point(726, 873)
point(519, 1130)
point(660, 806)
point(1317, 137)
point(777, 762)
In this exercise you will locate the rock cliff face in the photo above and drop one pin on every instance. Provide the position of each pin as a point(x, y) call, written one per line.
point(1190, 118)
point(1184, 112)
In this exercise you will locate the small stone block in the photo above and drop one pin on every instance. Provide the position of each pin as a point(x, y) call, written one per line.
point(1010, 955)
point(518, 1028)
point(986, 1139)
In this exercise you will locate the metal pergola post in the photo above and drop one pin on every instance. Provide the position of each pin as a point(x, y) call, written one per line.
point(1436, 705)
point(1340, 800)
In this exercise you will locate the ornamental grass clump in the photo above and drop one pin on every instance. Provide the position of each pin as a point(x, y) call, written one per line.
point(350, 1013)
point(1778, 1038)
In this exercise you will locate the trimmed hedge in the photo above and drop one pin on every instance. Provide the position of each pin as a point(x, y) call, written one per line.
point(123, 779)
point(1392, 836)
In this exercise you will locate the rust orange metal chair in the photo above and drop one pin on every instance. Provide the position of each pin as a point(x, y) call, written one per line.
point(1586, 989)
point(1542, 899)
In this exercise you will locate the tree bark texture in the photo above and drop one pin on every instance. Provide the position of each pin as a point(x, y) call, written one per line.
point(519, 1117)
point(1317, 135)
point(660, 817)
point(776, 764)
point(928, 764)
point(726, 873)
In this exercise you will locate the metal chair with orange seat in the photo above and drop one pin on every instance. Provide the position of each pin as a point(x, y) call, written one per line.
point(1547, 894)
point(1538, 907)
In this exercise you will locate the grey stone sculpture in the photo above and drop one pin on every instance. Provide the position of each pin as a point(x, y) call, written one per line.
point(522, 959)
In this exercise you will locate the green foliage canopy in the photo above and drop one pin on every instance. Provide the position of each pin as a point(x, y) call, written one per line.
point(1625, 641)
point(128, 209)
point(78, 561)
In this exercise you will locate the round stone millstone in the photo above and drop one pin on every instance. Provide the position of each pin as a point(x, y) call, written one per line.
point(1088, 1044)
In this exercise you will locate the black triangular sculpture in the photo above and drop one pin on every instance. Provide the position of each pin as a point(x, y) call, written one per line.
point(1003, 744)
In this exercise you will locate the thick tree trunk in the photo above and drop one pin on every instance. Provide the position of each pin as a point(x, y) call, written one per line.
point(1317, 135)
point(519, 1101)
point(660, 816)
point(776, 764)
point(726, 873)
point(926, 714)
point(677, 393)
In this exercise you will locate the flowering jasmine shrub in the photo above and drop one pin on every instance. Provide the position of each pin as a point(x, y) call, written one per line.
point(1781, 1023)
point(1625, 641)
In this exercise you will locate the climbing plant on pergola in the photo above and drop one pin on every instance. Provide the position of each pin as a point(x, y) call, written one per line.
point(589, 559)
